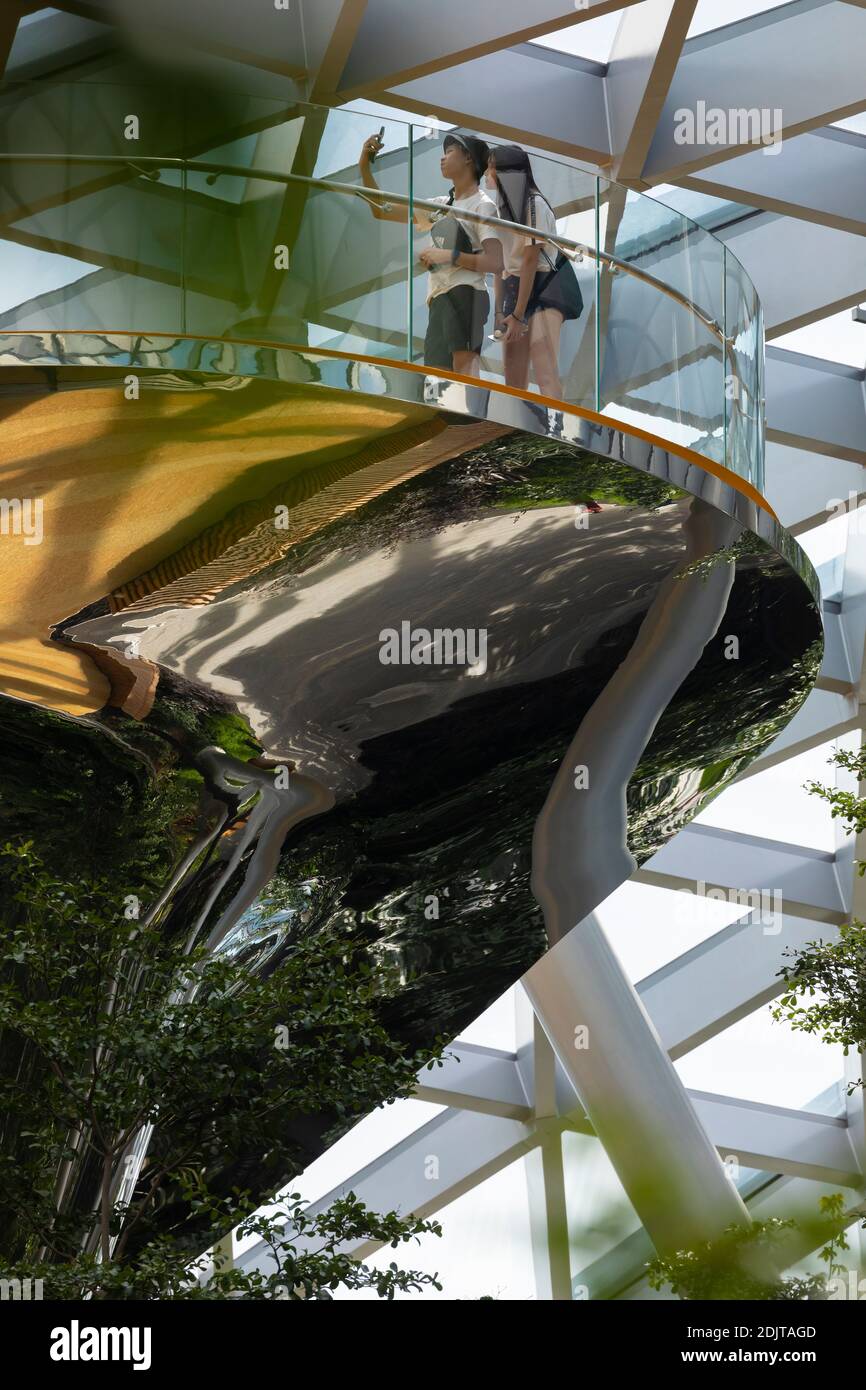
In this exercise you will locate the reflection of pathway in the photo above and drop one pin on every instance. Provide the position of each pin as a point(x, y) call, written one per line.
point(545, 590)
point(126, 483)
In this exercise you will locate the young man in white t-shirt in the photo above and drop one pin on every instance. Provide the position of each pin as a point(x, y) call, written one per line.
point(463, 252)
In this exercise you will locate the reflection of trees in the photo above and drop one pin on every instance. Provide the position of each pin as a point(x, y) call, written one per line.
point(517, 472)
point(88, 801)
point(448, 803)
point(453, 802)
point(111, 1031)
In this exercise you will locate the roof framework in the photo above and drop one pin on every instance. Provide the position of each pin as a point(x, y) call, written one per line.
point(796, 217)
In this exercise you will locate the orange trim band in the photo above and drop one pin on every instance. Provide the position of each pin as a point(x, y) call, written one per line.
point(718, 470)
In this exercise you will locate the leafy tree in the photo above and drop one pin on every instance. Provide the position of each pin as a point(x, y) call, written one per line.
point(846, 805)
point(824, 994)
point(825, 983)
point(734, 1266)
point(831, 977)
point(107, 1029)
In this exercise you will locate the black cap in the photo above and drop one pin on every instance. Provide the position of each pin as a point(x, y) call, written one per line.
point(477, 149)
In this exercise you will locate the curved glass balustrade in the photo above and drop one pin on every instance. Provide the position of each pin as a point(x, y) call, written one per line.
point(119, 216)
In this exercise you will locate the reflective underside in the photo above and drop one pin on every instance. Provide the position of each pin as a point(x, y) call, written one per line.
point(223, 571)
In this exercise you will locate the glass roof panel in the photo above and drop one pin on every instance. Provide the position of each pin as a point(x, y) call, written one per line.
point(592, 39)
point(714, 14)
point(759, 1060)
point(648, 926)
point(485, 1248)
point(798, 817)
point(856, 123)
point(839, 338)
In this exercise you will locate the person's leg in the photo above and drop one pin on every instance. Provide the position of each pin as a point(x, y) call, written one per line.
point(437, 352)
point(544, 331)
point(471, 308)
point(515, 358)
point(466, 363)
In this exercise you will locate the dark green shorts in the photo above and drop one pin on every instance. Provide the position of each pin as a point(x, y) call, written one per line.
point(455, 324)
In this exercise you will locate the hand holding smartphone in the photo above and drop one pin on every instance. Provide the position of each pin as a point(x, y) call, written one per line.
point(380, 141)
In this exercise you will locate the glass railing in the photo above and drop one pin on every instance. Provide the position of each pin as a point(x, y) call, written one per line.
point(252, 220)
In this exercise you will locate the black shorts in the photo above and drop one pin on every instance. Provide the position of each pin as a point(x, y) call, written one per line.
point(456, 320)
point(556, 289)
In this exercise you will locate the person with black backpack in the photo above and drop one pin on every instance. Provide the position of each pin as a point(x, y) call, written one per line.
point(463, 252)
point(538, 289)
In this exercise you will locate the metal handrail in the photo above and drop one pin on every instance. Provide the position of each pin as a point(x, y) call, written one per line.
point(373, 195)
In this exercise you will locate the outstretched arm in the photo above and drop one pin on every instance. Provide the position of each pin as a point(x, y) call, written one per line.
point(384, 211)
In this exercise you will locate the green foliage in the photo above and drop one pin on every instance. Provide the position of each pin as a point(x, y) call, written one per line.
point(540, 474)
point(739, 1264)
point(231, 732)
point(825, 983)
point(831, 977)
point(747, 543)
point(61, 775)
point(304, 1251)
point(107, 1028)
point(845, 805)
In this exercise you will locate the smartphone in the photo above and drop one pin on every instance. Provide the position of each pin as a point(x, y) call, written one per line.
point(381, 138)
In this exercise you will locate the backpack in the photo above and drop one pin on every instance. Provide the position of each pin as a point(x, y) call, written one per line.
point(450, 234)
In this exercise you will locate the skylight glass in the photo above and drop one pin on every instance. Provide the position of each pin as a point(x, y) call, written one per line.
point(592, 39)
point(856, 123)
point(798, 817)
point(485, 1249)
point(759, 1060)
point(839, 338)
point(648, 926)
point(713, 14)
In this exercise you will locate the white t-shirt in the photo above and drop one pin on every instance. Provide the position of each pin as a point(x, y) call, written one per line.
point(514, 245)
point(445, 277)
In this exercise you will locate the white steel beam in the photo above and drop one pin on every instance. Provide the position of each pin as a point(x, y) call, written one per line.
point(476, 1078)
point(820, 176)
point(642, 63)
point(460, 1149)
point(606, 1044)
point(388, 51)
point(721, 980)
point(779, 1140)
point(545, 1176)
point(802, 61)
point(528, 94)
point(816, 405)
point(807, 879)
point(774, 1138)
point(802, 271)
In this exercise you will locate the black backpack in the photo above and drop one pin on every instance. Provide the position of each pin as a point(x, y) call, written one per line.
point(451, 235)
